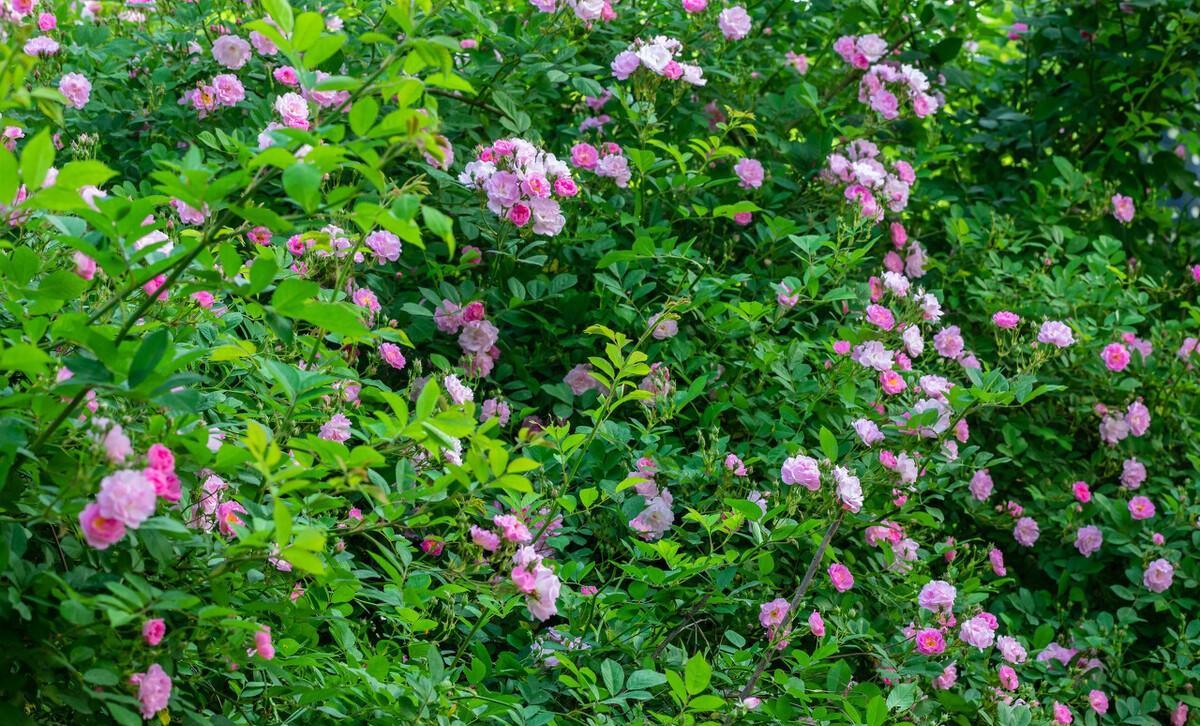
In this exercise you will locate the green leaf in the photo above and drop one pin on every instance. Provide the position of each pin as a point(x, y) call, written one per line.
point(902, 696)
point(363, 114)
point(302, 182)
point(291, 293)
point(324, 49)
point(305, 560)
point(696, 674)
point(283, 522)
point(708, 702)
point(101, 677)
point(428, 399)
point(308, 29)
point(337, 318)
point(77, 613)
point(148, 356)
point(36, 159)
point(439, 224)
point(123, 715)
point(640, 680)
point(876, 711)
point(25, 358)
point(83, 173)
point(8, 176)
point(281, 12)
point(613, 675)
point(829, 445)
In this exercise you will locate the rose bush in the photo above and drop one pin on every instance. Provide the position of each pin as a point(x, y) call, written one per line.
point(599, 362)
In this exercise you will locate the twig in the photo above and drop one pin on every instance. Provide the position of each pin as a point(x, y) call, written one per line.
point(687, 620)
point(801, 589)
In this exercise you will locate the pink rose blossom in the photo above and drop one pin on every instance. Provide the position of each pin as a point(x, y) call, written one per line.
point(154, 690)
point(841, 578)
point(1141, 508)
point(1088, 540)
point(930, 641)
point(99, 531)
point(802, 470)
point(127, 496)
point(1026, 531)
point(734, 23)
point(1158, 575)
point(153, 631)
point(1122, 208)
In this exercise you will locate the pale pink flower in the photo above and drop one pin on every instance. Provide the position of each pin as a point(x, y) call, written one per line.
point(231, 51)
point(76, 88)
point(734, 22)
point(127, 496)
point(749, 172)
point(154, 690)
point(337, 428)
point(1026, 531)
point(977, 632)
point(227, 517)
point(772, 614)
point(1055, 333)
point(937, 596)
point(816, 624)
point(802, 470)
point(1122, 208)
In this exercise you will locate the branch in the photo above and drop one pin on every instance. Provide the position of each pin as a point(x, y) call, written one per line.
point(801, 589)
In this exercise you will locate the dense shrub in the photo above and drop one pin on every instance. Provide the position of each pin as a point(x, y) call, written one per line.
point(652, 361)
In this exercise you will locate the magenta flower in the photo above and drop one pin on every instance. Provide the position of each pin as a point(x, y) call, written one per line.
point(1116, 356)
point(263, 646)
point(153, 631)
point(1083, 494)
point(1141, 508)
point(930, 641)
point(99, 531)
point(1005, 319)
point(840, 576)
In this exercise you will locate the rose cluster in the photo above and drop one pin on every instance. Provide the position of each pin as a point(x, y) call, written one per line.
point(867, 182)
point(522, 184)
point(658, 55)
